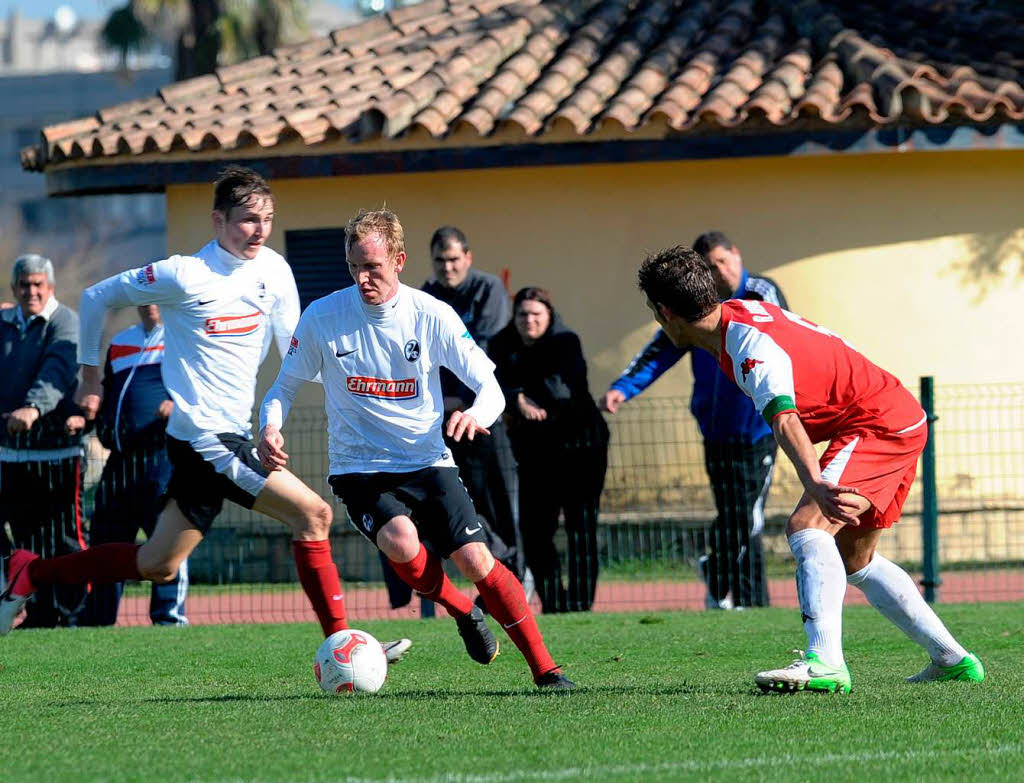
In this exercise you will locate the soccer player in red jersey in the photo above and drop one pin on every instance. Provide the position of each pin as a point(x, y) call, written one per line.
point(811, 386)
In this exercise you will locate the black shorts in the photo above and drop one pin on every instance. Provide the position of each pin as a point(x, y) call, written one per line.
point(434, 498)
point(210, 470)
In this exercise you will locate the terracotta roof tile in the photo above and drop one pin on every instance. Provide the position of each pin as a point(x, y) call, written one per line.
point(531, 65)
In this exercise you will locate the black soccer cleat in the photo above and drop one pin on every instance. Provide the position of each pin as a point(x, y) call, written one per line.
point(555, 681)
point(480, 642)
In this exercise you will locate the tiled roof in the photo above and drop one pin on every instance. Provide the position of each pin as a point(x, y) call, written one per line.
point(574, 68)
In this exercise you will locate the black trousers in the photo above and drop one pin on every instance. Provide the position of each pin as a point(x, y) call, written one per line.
point(741, 475)
point(42, 503)
point(573, 487)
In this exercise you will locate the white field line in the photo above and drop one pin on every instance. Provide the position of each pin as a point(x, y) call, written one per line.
point(589, 772)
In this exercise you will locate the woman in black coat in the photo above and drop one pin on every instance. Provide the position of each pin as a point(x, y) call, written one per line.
point(560, 440)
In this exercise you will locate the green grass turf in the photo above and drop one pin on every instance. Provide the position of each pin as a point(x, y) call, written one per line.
point(664, 697)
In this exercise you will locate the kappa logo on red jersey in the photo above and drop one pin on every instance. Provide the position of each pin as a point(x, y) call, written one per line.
point(146, 275)
point(362, 386)
point(234, 325)
point(747, 365)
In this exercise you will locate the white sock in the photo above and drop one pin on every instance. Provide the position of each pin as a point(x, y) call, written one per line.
point(821, 586)
point(893, 593)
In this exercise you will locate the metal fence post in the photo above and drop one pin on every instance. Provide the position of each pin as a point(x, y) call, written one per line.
point(930, 500)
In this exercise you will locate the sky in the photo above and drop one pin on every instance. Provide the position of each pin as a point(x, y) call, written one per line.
point(85, 9)
point(36, 9)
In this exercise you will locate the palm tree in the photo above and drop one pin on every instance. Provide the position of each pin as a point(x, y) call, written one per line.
point(209, 33)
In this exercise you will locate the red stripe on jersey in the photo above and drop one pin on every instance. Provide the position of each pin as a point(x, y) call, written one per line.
point(223, 325)
point(121, 351)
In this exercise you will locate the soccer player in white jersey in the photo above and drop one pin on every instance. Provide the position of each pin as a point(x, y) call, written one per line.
point(219, 307)
point(811, 386)
point(379, 346)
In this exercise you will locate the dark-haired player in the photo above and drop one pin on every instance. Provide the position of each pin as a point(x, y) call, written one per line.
point(218, 307)
point(811, 387)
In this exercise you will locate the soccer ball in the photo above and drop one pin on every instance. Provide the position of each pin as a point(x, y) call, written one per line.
point(350, 660)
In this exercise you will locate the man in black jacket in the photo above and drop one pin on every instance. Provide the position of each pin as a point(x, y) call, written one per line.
point(485, 465)
point(40, 461)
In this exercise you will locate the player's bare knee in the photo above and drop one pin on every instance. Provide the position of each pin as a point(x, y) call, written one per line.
point(158, 571)
point(315, 521)
point(474, 561)
point(398, 540)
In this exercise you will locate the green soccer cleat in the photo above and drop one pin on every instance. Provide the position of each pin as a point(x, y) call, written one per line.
point(808, 673)
point(968, 670)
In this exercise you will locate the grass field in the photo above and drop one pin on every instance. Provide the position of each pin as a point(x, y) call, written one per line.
point(663, 697)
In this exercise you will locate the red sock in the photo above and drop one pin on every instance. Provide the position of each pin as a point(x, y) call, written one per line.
point(504, 598)
point(99, 564)
point(321, 583)
point(425, 575)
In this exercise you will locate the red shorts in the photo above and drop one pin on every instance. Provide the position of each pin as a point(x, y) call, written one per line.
point(881, 466)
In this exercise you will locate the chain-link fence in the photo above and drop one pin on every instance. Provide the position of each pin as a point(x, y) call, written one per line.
point(657, 521)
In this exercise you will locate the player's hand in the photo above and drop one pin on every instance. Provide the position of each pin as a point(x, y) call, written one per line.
point(836, 508)
point(164, 411)
point(461, 423)
point(74, 424)
point(270, 449)
point(21, 420)
point(90, 392)
point(531, 411)
point(611, 400)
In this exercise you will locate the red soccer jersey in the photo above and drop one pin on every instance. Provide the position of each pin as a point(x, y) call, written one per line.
point(786, 363)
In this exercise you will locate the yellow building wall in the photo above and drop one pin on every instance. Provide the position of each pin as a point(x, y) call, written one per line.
point(917, 259)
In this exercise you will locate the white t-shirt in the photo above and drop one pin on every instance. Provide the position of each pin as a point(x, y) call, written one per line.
point(218, 312)
point(379, 365)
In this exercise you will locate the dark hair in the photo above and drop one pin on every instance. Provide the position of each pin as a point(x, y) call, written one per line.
point(709, 240)
point(532, 294)
point(447, 234)
point(680, 279)
point(235, 185)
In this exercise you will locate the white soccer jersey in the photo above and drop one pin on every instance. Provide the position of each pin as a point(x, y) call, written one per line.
point(218, 311)
point(379, 365)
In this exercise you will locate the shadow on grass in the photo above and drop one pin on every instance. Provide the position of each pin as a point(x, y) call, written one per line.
point(682, 689)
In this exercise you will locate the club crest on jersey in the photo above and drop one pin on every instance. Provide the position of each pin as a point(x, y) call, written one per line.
point(234, 325)
point(293, 346)
point(261, 289)
point(368, 522)
point(382, 388)
point(747, 365)
point(146, 275)
point(412, 350)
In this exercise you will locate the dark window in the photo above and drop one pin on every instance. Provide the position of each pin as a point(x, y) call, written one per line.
point(317, 259)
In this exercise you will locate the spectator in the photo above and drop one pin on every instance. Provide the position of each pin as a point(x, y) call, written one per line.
point(561, 443)
point(485, 465)
point(131, 424)
point(739, 450)
point(40, 460)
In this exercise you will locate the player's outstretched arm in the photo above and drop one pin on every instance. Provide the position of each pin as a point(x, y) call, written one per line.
point(273, 413)
point(463, 423)
point(792, 437)
point(270, 448)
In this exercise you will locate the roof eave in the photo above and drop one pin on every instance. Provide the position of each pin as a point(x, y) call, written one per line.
point(154, 177)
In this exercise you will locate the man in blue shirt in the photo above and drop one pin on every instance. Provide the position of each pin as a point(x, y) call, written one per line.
point(131, 424)
point(739, 449)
